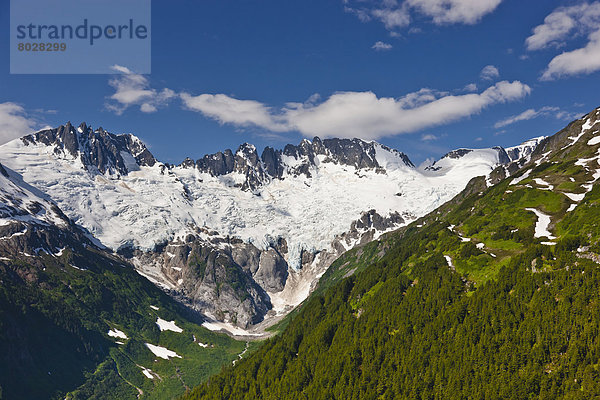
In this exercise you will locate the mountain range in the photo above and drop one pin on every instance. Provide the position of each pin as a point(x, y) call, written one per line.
point(127, 269)
point(241, 237)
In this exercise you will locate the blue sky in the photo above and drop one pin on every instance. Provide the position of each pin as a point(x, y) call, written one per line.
point(408, 73)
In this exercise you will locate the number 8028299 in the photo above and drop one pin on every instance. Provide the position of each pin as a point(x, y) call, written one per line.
point(42, 46)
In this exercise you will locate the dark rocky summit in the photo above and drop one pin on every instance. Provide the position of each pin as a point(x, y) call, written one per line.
point(274, 164)
point(98, 150)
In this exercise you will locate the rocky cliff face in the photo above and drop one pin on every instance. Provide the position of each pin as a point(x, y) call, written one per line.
point(292, 160)
point(97, 149)
point(233, 281)
point(523, 151)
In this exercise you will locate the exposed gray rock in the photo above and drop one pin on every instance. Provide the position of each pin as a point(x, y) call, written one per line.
point(272, 162)
point(217, 164)
point(188, 163)
point(228, 278)
point(97, 149)
point(272, 271)
point(503, 158)
point(258, 171)
point(220, 276)
point(249, 164)
point(458, 153)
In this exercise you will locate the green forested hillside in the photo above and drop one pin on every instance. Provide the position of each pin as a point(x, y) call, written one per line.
point(474, 301)
point(55, 315)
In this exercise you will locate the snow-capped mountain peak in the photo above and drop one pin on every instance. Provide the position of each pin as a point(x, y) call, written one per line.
point(97, 150)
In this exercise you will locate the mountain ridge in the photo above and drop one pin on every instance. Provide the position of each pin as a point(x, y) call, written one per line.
point(234, 235)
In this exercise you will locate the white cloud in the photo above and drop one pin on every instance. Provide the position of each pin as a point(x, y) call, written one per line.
point(471, 87)
point(364, 115)
point(392, 18)
point(554, 29)
point(148, 108)
point(567, 23)
point(343, 114)
point(429, 137)
point(580, 61)
point(533, 113)
point(381, 46)
point(45, 111)
point(355, 114)
point(362, 14)
point(489, 72)
point(396, 14)
point(455, 11)
point(524, 116)
point(420, 97)
point(14, 122)
point(228, 110)
point(134, 89)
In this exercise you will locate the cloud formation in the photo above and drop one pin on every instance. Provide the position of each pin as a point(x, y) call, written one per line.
point(429, 137)
point(489, 73)
point(356, 114)
point(533, 113)
point(381, 46)
point(14, 122)
point(471, 87)
point(364, 115)
point(228, 110)
point(133, 89)
point(395, 14)
point(580, 61)
point(343, 114)
point(454, 11)
point(567, 23)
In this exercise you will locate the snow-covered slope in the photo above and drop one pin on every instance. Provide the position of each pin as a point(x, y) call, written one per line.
point(524, 150)
point(152, 204)
point(299, 206)
point(20, 202)
point(31, 224)
point(462, 164)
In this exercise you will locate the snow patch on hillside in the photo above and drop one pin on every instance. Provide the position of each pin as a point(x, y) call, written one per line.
point(524, 176)
point(542, 182)
point(594, 141)
point(449, 261)
point(167, 325)
point(541, 225)
point(117, 333)
point(576, 197)
point(147, 372)
point(162, 352)
point(216, 326)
